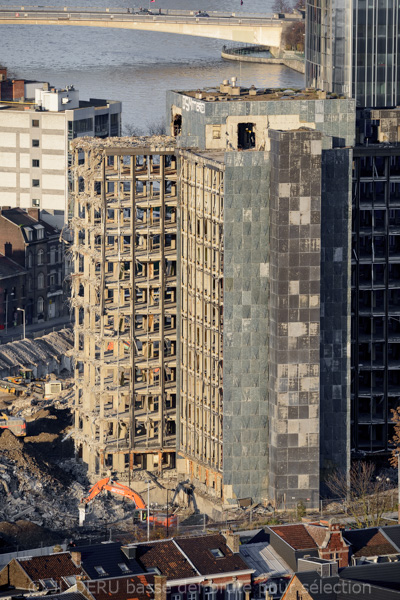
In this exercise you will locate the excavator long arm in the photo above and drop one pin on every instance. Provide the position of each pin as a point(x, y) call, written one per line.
point(116, 488)
point(95, 490)
point(123, 490)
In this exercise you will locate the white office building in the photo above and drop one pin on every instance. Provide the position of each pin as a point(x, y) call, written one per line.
point(34, 144)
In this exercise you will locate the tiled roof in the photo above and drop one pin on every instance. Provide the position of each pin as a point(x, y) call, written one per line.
point(198, 550)
point(138, 587)
point(317, 533)
point(166, 557)
point(393, 533)
point(9, 267)
point(108, 556)
point(369, 542)
point(52, 566)
point(296, 536)
point(22, 219)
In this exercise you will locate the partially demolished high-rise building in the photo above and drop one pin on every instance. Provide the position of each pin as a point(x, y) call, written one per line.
point(124, 297)
point(211, 295)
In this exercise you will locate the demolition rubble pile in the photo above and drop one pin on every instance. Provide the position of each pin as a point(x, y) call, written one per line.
point(44, 493)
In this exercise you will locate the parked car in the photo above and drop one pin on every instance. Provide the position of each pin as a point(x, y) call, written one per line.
point(202, 13)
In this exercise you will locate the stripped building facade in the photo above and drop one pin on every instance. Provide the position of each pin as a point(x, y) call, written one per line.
point(124, 297)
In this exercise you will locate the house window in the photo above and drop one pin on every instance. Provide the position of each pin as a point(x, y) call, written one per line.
point(217, 553)
point(39, 232)
point(40, 305)
point(35, 122)
point(124, 568)
point(209, 594)
point(48, 584)
point(36, 202)
point(40, 281)
point(35, 162)
point(40, 257)
point(35, 183)
point(52, 255)
point(176, 597)
point(29, 261)
point(70, 580)
point(100, 570)
point(35, 143)
point(191, 596)
point(52, 279)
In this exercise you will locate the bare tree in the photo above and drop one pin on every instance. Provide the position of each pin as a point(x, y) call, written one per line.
point(396, 437)
point(300, 4)
point(293, 36)
point(132, 130)
point(367, 496)
point(157, 127)
point(152, 128)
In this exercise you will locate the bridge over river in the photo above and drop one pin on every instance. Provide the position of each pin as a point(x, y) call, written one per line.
point(254, 29)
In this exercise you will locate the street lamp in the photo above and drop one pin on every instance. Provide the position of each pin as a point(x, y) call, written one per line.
point(23, 316)
point(148, 481)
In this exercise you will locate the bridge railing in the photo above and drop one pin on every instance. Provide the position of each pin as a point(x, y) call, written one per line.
point(93, 11)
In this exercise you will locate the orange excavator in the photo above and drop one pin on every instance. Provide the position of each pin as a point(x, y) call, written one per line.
point(108, 485)
point(117, 488)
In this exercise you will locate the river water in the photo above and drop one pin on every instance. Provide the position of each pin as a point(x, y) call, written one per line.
point(136, 67)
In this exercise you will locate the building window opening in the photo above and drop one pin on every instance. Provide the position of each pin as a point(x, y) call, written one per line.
point(177, 125)
point(246, 136)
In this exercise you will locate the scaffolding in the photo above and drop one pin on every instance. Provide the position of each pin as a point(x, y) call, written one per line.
point(124, 297)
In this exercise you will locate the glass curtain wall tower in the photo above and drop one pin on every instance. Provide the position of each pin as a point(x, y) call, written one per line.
point(352, 49)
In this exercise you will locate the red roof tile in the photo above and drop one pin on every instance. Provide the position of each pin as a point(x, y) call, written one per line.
point(296, 536)
point(166, 557)
point(198, 550)
point(52, 566)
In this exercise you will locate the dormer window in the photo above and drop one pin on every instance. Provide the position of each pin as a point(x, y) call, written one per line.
point(217, 553)
point(124, 568)
point(70, 580)
point(39, 232)
point(49, 584)
point(100, 571)
point(28, 233)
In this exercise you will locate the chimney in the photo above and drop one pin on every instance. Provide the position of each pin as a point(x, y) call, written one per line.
point(160, 587)
point(34, 213)
point(232, 540)
point(76, 557)
point(57, 548)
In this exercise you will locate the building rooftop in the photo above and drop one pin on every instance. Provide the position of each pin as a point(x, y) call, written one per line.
point(295, 536)
point(241, 94)
point(53, 566)
point(369, 542)
point(210, 554)
point(109, 557)
point(9, 268)
point(264, 560)
point(166, 557)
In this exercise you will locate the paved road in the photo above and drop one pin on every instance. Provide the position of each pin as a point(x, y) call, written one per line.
point(35, 330)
